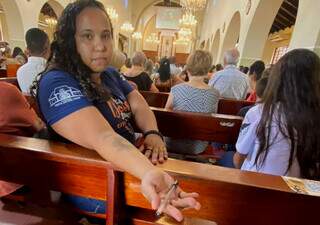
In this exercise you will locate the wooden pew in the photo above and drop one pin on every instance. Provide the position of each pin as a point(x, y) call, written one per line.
point(232, 107)
point(198, 126)
point(225, 106)
point(155, 99)
point(11, 80)
point(228, 196)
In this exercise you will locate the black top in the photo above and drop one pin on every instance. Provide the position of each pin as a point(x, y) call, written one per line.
point(143, 81)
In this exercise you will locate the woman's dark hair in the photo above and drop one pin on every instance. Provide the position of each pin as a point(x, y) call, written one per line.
point(219, 67)
point(257, 69)
point(292, 100)
point(17, 51)
point(164, 70)
point(64, 55)
point(245, 70)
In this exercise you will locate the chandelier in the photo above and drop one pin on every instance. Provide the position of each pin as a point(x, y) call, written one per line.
point(185, 32)
point(193, 5)
point(182, 41)
point(112, 13)
point(188, 20)
point(51, 21)
point(137, 35)
point(127, 27)
point(153, 38)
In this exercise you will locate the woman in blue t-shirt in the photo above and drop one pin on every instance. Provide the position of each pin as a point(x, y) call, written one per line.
point(90, 105)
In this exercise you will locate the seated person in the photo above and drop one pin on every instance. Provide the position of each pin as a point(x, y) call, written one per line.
point(38, 48)
point(280, 136)
point(165, 79)
point(19, 56)
point(260, 88)
point(193, 96)
point(138, 75)
point(255, 73)
point(90, 104)
point(230, 82)
point(16, 118)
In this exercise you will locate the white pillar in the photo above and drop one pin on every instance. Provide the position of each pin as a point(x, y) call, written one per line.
point(306, 32)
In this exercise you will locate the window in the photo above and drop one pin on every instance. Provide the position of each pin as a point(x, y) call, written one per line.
point(278, 53)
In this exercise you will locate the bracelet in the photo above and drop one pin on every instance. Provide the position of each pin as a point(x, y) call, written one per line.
point(153, 132)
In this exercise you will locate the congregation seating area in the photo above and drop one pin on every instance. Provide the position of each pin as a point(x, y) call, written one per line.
point(228, 196)
point(225, 106)
point(159, 112)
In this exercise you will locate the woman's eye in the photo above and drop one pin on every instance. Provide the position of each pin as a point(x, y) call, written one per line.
point(88, 36)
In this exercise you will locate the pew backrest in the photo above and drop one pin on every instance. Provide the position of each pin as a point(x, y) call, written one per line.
point(155, 99)
point(225, 106)
point(198, 126)
point(228, 196)
point(232, 107)
point(11, 80)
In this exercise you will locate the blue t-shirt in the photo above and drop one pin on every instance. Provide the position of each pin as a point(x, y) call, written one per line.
point(60, 94)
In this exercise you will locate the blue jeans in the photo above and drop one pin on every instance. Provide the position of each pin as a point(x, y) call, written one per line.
point(86, 204)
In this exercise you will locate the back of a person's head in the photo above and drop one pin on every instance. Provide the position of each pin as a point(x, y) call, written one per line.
point(139, 59)
point(293, 95)
point(128, 63)
point(219, 67)
point(37, 41)
point(118, 59)
point(164, 70)
point(17, 51)
point(212, 69)
point(261, 86)
point(266, 72)
point(257, 69)
point(148, 66)
point(199, 63)
point(245, 70)
point(231, 57)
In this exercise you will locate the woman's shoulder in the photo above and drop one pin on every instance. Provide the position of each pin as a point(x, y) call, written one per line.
point(181, 86)
point(254, 114)
point(56, 77)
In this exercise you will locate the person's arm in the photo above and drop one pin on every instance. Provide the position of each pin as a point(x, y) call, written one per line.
point(94, 132)
point(153, 88)
point(153, 146)
point(238, 159)
point(169, 104)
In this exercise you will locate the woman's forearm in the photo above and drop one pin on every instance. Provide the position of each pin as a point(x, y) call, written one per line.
point(118, 150)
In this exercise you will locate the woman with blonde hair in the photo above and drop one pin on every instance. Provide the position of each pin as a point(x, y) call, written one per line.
point(138, 75)
point(193, 96)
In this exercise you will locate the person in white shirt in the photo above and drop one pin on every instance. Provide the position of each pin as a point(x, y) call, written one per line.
point(280, 135)
point(231, 82)
point(38, 48)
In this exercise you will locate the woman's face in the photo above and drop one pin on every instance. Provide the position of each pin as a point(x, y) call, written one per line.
point(94, 39)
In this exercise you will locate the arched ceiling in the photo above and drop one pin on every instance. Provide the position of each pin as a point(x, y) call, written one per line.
point(286, 16)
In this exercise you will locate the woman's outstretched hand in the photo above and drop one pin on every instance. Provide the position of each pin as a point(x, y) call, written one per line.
point(156, 183)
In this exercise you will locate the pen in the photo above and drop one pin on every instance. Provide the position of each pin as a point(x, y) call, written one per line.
point(166, 198)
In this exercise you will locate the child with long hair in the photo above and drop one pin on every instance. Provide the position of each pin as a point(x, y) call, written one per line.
point(281, 136)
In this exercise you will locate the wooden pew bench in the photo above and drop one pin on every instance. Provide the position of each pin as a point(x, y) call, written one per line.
point(225, 106)
point(218, 128)
point(228, 196)
point(11, 80)
point(232, 107)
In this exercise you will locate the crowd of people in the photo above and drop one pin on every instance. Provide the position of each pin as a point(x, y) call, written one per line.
point(72, 80)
